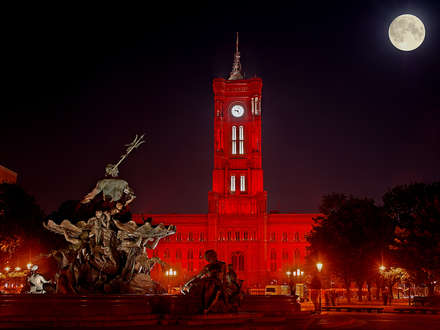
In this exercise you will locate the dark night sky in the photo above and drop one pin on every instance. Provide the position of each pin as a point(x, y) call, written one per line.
point(343, 110)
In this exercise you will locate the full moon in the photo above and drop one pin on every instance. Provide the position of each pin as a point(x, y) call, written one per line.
point(406, 32)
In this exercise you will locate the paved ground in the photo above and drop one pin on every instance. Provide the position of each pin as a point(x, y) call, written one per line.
point(381, 321)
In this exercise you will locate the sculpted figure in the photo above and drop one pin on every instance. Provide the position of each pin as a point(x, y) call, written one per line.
point(36, 281)
point(211, 284)
point(114, 189)
point(106, 255)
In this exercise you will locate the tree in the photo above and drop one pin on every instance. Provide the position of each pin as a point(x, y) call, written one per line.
point(350, 235)
point(20, 221)
point(415, 211)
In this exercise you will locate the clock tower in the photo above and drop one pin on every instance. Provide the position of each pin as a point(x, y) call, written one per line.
point(237, 187)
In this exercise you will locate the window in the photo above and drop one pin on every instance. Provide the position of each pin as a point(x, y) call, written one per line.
point(237, 235)
point(166, 254)
point(297, 257)
point(232, 183)
point(273, 260)
point(229, 235)
point(273, 236)
point(178, 254)
point(190, 254)
point(241, 262)
point(237, 259)
point(234, 140)
point(242, 183)
point(202, 236)
point(245, 236)
point(179, 236)
point(190, 236)
point(285, 255)
point(284, 237)
point(241, 142)
point(297, 236)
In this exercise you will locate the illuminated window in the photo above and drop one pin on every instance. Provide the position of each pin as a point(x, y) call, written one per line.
point(241, 142)
point(234, 140)
point(242, 183)
point(297, 257)
point(232, 183)
point(241, 262)
point(273, 260)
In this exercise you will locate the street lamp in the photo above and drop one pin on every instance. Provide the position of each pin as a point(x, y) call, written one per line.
point(319, 268)
point(170, 273)
point(7, 269)
point(29, 265)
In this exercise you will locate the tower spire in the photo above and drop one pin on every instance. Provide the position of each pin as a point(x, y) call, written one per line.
point(236, 66)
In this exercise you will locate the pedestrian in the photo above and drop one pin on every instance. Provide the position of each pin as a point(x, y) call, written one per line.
point(315, 286)
point(333, 297)
point(385, 296)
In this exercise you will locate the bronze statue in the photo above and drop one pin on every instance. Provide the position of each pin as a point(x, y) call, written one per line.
point(106, 255)
point(216, 285)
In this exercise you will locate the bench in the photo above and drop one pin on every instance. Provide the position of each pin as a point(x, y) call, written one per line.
point(350, 309)
point(415, 310)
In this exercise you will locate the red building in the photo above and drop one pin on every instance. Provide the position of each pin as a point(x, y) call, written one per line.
point(261, 246)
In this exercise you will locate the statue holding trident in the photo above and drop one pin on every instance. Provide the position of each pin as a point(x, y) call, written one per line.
point(114, 190)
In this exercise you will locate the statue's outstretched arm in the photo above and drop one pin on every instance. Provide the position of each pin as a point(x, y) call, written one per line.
point(87, 198)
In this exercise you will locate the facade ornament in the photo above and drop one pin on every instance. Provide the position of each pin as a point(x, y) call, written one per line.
point(236, 66)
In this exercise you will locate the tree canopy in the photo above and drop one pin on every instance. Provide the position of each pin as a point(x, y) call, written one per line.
point(350, 237)
point(415, 211)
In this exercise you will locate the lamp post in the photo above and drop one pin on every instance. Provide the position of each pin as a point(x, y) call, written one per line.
point(319, 268)
point(170, 273)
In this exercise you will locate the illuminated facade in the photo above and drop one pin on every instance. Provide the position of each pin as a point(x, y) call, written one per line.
point(261, 246)
point(7, 176)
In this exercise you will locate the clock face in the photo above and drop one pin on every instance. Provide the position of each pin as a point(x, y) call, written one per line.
point(237, 110)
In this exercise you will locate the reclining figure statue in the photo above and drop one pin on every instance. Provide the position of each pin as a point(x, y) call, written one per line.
point(216, 285)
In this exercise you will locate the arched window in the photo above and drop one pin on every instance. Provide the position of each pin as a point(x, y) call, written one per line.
point(242, 183)
point(234, 140)
point(237, 260)
point(241, 140)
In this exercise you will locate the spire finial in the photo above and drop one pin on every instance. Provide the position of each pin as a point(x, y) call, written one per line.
point(236, 66)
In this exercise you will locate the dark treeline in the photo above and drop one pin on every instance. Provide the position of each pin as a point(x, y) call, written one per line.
point(354, 237)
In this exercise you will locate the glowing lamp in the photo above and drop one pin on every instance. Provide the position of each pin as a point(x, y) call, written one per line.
point(319, 266)
point(29, 265)
point(17, 269)
point(382, 268)
point(7, 269)
point(288, 273)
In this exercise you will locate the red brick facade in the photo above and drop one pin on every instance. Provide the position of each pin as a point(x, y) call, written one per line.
point(261, 246)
